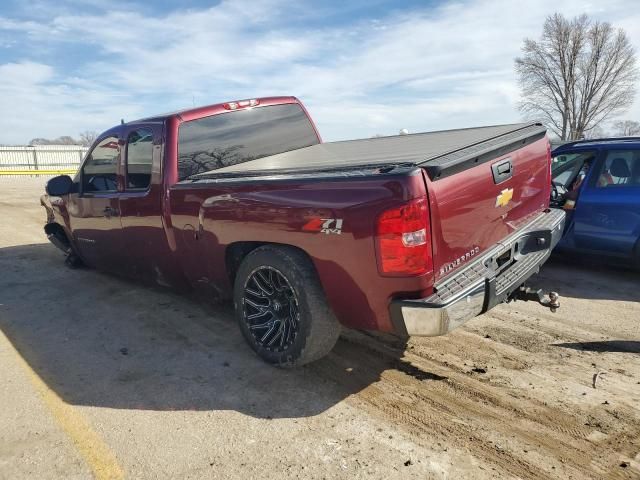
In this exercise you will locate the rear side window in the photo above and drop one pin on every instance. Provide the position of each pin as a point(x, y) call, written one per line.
point(621, 168)
point(139, 159)
point(240, 136)
point(100, 170)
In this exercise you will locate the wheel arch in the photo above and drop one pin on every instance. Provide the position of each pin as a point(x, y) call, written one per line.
point(58, 236)
point(236, 252)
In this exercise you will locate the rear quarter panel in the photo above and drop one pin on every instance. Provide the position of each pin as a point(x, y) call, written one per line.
point(274, 211)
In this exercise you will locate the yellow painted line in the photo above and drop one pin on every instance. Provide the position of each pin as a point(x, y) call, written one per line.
point(98, 456)
point(38, 172)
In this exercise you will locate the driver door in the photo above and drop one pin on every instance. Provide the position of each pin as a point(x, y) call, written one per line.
point(94, 212)
point(568, 173)
point(608, 216)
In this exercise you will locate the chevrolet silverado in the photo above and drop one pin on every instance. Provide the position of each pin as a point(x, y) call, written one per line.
point(408, 234)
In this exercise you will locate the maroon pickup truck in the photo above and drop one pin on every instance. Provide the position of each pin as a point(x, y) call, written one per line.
point(410, 234)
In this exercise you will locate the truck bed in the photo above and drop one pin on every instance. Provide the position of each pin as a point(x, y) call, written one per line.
point(441, 153)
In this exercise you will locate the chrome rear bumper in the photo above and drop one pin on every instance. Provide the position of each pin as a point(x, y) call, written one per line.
point(482, 284)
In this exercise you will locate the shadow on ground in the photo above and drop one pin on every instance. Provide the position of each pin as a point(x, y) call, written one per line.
point(588, 280)
point(616, 346)
point(102, 341)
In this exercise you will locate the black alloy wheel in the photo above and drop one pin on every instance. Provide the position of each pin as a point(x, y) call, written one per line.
point(270, 309)
point(281, 308)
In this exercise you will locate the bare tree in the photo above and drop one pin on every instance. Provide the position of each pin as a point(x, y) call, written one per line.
point(88, 137)
point(63, 140)
point(578, 74)
point(206, 160)
point(39, 141)
point(627, 128)
point(595, 132)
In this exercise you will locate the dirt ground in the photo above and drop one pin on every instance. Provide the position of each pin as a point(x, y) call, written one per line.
point(106, 378)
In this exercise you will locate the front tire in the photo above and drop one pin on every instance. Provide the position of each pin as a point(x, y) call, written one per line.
point(72, 260)
point(281, 308)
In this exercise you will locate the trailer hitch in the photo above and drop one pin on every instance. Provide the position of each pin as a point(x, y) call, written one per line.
point(551, 301)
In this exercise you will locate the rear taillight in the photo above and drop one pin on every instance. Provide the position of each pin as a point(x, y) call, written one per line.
point(403, 241)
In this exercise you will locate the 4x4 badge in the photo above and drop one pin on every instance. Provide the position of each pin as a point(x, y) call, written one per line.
point(324, 225)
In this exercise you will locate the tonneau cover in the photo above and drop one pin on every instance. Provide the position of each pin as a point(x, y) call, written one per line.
point(441, 153)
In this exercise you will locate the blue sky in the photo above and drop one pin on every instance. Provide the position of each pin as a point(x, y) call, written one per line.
point(361, 67)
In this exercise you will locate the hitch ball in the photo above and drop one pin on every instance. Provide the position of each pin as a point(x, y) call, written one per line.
point(554, 301)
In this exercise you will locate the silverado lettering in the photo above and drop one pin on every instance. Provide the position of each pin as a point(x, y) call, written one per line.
point(446, 268)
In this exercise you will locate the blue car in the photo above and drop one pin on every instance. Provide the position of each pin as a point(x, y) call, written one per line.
point(597, 182)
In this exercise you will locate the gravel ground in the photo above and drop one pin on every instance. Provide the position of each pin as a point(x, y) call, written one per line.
point(105, 378)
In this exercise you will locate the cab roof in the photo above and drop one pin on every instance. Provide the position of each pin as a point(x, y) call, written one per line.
point(598, 142)
point(207, 110)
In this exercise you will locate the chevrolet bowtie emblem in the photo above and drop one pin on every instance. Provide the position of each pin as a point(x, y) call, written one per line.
point(504, 198)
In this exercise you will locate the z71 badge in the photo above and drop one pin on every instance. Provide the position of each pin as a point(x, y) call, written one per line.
point(324, 225)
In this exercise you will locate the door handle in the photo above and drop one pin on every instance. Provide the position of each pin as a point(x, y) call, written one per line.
point(110, 212)
point(502, 170)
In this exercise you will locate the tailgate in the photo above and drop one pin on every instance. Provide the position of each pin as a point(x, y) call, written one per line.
point(477, 201)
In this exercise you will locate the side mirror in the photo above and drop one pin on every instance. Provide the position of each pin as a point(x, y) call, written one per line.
point(58, 186)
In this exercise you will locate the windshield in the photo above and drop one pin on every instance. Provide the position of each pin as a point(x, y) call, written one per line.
point(240, 136)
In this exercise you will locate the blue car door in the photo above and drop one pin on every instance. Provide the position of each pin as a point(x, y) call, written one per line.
point(607, 215)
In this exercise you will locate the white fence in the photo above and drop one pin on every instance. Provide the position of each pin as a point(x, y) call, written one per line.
point(40, 160)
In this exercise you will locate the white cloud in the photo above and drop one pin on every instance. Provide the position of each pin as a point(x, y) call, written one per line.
point(21, 76)
point(423, 69)
point(36, 104)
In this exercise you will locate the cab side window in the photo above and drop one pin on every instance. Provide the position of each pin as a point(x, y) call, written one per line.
point(621, 168)
point(100, 170)
point(139, 159)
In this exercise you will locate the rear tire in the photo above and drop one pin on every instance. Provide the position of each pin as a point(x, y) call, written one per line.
point(281, 308)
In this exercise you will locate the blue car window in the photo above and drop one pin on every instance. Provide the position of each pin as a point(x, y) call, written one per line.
point(621, 168)
point(566, 168)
